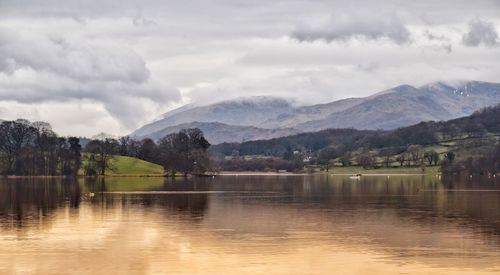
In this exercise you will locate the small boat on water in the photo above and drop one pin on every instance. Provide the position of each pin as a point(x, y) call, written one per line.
point(355, 176)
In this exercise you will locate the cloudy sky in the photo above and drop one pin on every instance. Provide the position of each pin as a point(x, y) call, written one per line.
point(112, 65)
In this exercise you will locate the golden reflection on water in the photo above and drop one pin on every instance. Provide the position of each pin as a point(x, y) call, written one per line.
point(250, 225)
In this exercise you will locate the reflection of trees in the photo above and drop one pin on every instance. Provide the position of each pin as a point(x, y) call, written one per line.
point(408, 217)
point(424, 198)
point(26, 200)
point(29, 200)
point(143, 192)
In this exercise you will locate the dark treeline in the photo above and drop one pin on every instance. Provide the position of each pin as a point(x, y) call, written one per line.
point(484, 161)
point(346, 139)
point(34, 149)
point(184, 152)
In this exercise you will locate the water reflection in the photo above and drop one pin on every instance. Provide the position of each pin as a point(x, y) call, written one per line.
point(251, 224)
point(24, 201)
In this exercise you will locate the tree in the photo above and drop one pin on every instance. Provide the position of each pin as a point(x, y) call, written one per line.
point(386, 155)
point(366, 159)
point(16, 137)
point(148, 150)
point(450, 157)
point(414, 152)
point(185, 152)
point(346, 159)
point(325, 155)
point(124, 145)
point(401, 158)
point(487, 163)
point(34, 149)
point(288, 155)
point(100, 155)
point(431, 157)
point(201, 161)
point(74, 156)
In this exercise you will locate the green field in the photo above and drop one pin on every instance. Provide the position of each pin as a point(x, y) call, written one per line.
point(124, 166)
point(129, 166)
point(396, 170)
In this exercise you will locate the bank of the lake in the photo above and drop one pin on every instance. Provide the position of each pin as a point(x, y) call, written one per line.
point(342, 171)
point(349, 170)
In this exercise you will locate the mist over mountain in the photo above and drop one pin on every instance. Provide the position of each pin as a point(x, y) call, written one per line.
point(249, 111)
point(397, 107)
point(262, 117)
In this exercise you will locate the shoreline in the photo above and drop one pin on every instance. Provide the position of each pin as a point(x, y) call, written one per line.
point(251, 173)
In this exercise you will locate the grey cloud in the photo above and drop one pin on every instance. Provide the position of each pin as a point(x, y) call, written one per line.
point(448, 48)
point(368, 67)
point(73, 58)
point(141, 20)
point(443, 41)
point(480, 33)
point(39, 68)
point(344, 27)
point(432, 36)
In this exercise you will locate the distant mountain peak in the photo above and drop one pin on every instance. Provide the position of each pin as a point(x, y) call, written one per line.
point(436, 86)
point(404, 88)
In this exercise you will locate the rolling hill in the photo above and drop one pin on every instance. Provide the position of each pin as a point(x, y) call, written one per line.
point(124, 165)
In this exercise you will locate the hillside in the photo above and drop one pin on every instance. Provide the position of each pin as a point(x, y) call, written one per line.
point(216, 132)
point(304, 114)
point(397, 107)
point(482, 123)
point(249, 111)
point(390, 109)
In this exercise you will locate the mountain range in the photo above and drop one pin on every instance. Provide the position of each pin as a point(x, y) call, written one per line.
point(256, 118)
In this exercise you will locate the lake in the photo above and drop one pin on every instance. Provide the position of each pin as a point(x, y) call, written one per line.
point(317, 224)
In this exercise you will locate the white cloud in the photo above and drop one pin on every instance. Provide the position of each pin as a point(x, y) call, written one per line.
point(76, 118)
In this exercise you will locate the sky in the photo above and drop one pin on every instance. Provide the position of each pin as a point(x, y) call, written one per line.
point(113, 65)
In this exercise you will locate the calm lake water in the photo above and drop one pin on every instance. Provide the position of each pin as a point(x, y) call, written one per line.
point(316, 224)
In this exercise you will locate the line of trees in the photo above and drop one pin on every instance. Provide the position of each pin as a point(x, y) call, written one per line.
point(184, 152)
point(34, 149)
point(487, 163)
